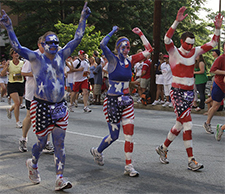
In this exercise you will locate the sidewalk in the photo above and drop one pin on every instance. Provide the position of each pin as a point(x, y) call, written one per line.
point(159, 107)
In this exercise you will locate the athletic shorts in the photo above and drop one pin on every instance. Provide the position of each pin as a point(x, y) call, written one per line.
point(116, 108)
point(16, 87)
point(77, 86)
point(217, 94)
point(182, 101)
point(159, 79)
point(167, 88)
point(4, 80)
point(47, 115)
point(145, 83)
point(97, 89)
point(27, 104)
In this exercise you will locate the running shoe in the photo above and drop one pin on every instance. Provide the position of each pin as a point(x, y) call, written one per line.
point(49, 148)
point(208, 128)
point(61, 184)
point(75, 104)
point(194, 165)
point(129, 170)
point(163, 155)
point(219, 132)
point(171, 105)
point(9, 113)
point(139, 100)
point(23, 146)
point(19, 124)
point(166, 104)
point(98, 157)
point(9, 100)
point(86, 109)
point(33, 173)
point(198, 109)
point(156, 102)
point(71, 108)
point(22, 106)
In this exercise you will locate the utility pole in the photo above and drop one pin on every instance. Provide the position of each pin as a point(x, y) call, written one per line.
point(156, 45)
point(219, 12)
point(0, 31)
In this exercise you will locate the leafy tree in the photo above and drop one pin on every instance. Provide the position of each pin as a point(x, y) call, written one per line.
point(90, 41)
point(37, 17)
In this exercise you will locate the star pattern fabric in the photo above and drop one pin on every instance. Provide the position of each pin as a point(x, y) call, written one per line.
point(118, 87)
point(114, 110)
point(44, 119)
point(41, 88)
point(53, 37)
point(108, 139)
point(182, 100)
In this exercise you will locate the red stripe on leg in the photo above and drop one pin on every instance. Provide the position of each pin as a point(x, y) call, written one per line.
point(128, 147)
point(128, 129)
point(128, 162)
point(189, 152)
point(175, 131)
point(167, 142)
point(187, 135)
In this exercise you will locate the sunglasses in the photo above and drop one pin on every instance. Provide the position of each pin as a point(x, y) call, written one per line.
point(51, 42)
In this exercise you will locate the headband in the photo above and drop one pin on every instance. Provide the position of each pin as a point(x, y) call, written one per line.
point(121, 40)
point(190, 40)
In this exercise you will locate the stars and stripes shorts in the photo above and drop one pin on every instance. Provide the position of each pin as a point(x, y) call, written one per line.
point(46, 115)
point(116, 108)
point(182, 101)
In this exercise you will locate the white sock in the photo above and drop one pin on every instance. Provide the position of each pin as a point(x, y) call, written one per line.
point(24, 138)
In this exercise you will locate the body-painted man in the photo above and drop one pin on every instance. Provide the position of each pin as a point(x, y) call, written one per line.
point(48, 109)
point(182, 62)
point(118, 104)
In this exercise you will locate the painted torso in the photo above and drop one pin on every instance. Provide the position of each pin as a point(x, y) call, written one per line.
point(182, 68)
point(119, 78)
point(49, 77)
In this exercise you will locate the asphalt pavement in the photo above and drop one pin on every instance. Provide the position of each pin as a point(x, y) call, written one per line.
point(85, 130)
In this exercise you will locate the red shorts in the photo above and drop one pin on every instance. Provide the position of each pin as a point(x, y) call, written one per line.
point(77, 86)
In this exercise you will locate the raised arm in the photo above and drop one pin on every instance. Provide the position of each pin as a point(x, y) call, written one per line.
point(168, 37)
point(107, 52)
point(23, 51)
point(70, 47)
point(148, 48)
point(215, 39)
point(104, 42)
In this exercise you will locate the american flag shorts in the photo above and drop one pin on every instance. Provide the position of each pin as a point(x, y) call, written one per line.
point(182, 101)
point(116, 107)
point(41, 116)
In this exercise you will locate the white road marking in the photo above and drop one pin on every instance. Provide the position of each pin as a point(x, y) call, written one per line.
point(88, 135)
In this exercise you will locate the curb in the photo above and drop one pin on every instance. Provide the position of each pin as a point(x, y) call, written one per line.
point(160, 107)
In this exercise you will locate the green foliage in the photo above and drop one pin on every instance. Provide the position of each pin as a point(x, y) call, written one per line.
point(90, 41)
point(37, 17)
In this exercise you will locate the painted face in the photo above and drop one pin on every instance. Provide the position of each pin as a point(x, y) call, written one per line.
point(188, 44)
point(124, 48)
point(51, 44)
